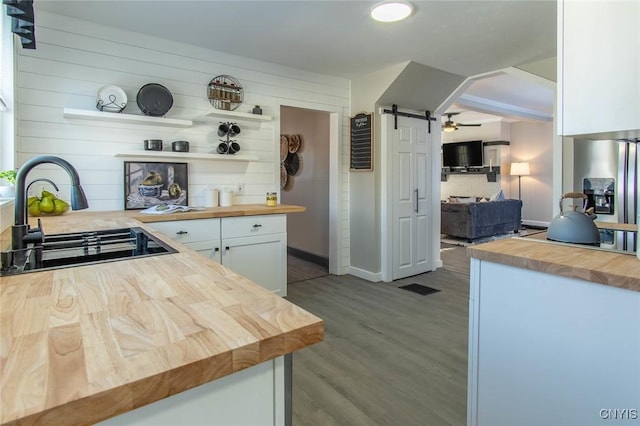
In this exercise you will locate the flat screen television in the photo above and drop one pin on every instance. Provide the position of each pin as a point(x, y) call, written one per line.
point(462, 154)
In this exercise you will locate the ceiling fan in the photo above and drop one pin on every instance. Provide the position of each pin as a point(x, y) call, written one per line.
point(452, 126)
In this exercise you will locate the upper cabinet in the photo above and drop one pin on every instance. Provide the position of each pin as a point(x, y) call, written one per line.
point(599, 68)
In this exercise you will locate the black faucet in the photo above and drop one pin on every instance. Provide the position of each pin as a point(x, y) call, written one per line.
point(20, 230)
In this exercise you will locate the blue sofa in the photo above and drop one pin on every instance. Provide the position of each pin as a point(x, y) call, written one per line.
point(480, 219)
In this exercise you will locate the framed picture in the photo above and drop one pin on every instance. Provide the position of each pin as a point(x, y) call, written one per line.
point(148, 184)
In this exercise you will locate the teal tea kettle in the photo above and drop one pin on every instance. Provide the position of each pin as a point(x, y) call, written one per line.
point(574, 226)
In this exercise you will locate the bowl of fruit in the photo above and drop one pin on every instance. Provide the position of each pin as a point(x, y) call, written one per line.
point(151, 186)
point(46, 203)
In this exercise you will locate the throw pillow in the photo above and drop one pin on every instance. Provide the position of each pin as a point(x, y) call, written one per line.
point(483, 200)
point(453, 200)
point(466, 200)
point(497, 196)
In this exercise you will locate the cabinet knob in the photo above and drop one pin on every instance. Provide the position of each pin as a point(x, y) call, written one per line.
point(257, 225)
point(182, 232)
point(226, 248)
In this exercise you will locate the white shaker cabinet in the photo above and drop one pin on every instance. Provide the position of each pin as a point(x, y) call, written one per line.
point(256, 248)
point(598, 67)
point(252, 246)
point(201, 235)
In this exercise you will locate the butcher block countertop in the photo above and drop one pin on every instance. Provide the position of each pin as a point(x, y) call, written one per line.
point(74, 220)
point(613, 269)
point(79, 345)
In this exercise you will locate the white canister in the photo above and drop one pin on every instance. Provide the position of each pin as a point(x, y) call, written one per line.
point(226, 198)
point(211, 198)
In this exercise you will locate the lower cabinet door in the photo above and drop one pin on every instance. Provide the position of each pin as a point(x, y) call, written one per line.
point(262, 259)
point(205, 248)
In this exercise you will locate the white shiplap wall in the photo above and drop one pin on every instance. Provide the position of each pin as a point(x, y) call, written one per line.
point(75, 58)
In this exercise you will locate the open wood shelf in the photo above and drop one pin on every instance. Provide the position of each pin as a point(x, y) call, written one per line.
point(237, 115)
point(190, 155)
point(118, 117)
point(491, 174)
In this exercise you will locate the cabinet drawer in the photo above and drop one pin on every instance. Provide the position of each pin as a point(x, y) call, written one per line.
point(253, 225)
point(190, 231)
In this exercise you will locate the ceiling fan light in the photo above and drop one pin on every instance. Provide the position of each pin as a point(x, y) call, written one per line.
point(391, 11)
point(449, 129)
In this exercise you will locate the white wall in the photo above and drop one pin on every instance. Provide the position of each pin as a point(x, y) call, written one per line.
point(308, 231)
point(364, 186)
point(74, 59)
point(533, 143)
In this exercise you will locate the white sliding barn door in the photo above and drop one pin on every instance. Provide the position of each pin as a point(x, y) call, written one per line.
point(411, 193)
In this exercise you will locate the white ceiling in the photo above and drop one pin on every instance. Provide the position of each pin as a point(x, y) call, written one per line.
point(338, 37)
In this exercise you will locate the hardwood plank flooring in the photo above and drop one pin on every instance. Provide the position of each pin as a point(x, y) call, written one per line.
point(390, 356)
point(302, 270)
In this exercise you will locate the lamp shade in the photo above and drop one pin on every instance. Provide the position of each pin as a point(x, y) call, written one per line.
point(520, 169)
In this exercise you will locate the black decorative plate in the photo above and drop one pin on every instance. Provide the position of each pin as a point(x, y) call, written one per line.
point(154, 100)
point(292, 163)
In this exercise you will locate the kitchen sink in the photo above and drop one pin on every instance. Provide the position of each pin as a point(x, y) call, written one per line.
point(83, 248)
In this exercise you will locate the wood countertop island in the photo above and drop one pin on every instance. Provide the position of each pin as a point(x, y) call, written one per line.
point(597, 266)
point(554, 334)
point(82, 344)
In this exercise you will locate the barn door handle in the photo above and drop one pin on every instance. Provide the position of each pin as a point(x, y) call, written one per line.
point(416, 200)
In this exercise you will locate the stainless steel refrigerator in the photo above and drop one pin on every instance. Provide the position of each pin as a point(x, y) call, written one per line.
point(607, 172)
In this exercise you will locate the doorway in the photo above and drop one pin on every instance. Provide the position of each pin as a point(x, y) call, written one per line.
point(317, 183)
point(409, 170)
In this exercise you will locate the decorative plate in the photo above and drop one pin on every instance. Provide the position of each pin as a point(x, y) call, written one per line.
point(283, 177)
point(111, 99)
point(292, 163)
point(294, 143)
point(284, 147)
point(154, 100)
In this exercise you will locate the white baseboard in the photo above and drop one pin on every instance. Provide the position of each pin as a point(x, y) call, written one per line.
point(535, 223)
point(365, 275)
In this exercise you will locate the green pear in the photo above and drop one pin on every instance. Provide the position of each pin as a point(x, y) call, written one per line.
point(47, 194)
point(60, 206)
point(46, 205)
point(34, 210)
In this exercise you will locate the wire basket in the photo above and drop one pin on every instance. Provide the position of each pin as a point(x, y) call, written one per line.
point(225, 92)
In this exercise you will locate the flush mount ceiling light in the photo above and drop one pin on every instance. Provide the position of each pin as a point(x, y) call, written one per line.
point(391, 11)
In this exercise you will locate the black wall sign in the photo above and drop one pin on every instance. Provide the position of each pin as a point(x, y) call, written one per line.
point(362, 142)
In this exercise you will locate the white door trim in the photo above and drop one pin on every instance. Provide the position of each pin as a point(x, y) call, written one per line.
point(336, 206)
point(386, 214)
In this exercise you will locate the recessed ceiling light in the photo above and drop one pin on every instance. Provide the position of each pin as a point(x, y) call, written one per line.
point(391, 11)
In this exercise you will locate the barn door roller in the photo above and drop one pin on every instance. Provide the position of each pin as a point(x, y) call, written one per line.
point(394, 110)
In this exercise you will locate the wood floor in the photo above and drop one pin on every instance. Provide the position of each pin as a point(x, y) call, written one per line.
point(390, 356)
point(301, 270)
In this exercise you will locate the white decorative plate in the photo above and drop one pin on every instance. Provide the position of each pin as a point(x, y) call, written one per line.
point(111, 99)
